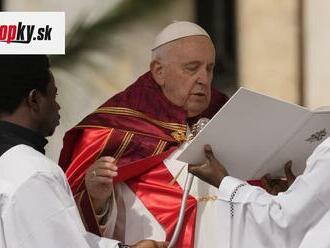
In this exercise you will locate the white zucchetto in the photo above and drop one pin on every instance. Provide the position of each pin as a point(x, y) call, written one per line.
point(177, 30)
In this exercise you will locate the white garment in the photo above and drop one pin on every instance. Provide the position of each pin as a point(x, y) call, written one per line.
point(209, 217)
point(140, 223)
point(299, 217)
point(37, 209)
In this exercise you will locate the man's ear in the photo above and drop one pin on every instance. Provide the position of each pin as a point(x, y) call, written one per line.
point(157, 71)
point(33, 100)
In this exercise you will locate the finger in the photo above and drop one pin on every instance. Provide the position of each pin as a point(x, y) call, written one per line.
point(266, 182)
point(163, 244)
point(97, 169)
point(109, 166)
point(208, 152)
point(288, 172)
point(107, 159)
point(276, 189)
point(282, 185)
point(197, 167)
point(105, 173)
point(192, 168)
point(105, 165)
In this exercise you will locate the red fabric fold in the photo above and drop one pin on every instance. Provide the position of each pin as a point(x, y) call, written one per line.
point(163, 200)
point(139, 167)
point(85, 152)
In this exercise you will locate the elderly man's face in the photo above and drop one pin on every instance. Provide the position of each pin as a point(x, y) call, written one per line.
point(187, 73)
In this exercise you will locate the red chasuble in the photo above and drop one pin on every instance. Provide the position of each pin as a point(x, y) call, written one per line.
point(139, 127)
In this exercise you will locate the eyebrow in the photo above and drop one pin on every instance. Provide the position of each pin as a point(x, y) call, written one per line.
point(197, 63)
point(193, 63)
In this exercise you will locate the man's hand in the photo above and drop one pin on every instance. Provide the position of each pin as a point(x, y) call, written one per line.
point(275, 186)
point(150, 244)
point(212, 171)
point(98, 181)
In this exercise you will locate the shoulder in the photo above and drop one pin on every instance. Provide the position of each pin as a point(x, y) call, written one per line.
point(135, 94)
point(319, 157)
point(22, 162)
point(321, 150)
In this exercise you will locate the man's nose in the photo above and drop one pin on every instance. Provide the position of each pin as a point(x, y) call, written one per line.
point(58, 106)
point(203, 77)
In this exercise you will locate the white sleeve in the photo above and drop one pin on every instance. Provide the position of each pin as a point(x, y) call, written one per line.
point(42, 214)
point(263, 220)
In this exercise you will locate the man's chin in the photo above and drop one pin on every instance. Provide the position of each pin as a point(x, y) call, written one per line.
point(194, 113)
point(196, 108)
point(51, 131)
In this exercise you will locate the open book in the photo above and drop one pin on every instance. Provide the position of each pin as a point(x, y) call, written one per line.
point(253, 134)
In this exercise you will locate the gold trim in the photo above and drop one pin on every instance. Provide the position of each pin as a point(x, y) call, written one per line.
point(156, 149)
point(207, 198)
point(125, 142)
point(134, 113)
point(94, 213)
point(179, 135)
point(105, 143)
point(160, 147)
point(123, 130)
point(92, 126)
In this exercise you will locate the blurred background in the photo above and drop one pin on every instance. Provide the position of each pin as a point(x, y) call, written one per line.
point(277, 47)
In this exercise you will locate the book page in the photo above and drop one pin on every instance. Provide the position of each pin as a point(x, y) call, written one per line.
point(246, 132)
point(300, 146)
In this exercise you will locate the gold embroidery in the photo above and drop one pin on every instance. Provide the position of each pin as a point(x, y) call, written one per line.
point(190, 137)
point(92, 126)
point(207, 198)
point(94, 213)
point(179, 135)
point(157, 147)
point(126, 140)
point(160, 147)
point(134, 113)
point(123, 130)
point(192, 133)
point(105, 143)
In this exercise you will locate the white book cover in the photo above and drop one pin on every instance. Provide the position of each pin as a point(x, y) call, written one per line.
point(254, 134)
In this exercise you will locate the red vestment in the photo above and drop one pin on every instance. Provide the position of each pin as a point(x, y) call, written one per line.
point(139, 127)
